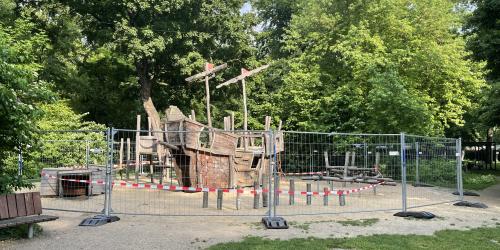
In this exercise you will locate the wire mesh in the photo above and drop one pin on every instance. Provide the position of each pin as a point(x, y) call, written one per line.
point(432, 173)
point(200, 171)
point(64, 167)
point(338, 172)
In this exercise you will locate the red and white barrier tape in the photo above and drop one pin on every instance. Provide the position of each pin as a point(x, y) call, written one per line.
point(206, 189)
point(304, 173)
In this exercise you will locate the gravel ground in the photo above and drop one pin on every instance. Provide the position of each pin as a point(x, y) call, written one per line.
point(195, 232)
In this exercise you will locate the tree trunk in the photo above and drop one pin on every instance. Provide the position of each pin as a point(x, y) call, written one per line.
point(147, 102)
point(489, 152)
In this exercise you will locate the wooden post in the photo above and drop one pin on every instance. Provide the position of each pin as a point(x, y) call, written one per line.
point(309, 195)
point(238, 198)
point(245, 114)
point(120, 162)
point(346, 164)
point(205, 200)
point(149, 126)
point(325, 196)
point(231, 171)
point(137, 144)
point(291, 195)
point(232, 121)
point(342, 199)
point(128, 159)
point(193, 115)
point(207, 95)
point(219, 199)
point(255, 195)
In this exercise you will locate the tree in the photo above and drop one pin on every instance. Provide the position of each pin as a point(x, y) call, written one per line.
point(378, 66)
point(20, 91)
point(274, 17)
point(163, 41)
point(483, 30)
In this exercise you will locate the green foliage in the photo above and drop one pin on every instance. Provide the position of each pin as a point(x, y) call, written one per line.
point(478, 181)
point(21, 46)
point(381, 66)
point(479, 238)
point(63, 140)
point(437, 172)
point(483, 32)
point(19, 232)
point(359, 223)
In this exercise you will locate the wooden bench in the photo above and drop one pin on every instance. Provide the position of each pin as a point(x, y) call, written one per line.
point(21, 209)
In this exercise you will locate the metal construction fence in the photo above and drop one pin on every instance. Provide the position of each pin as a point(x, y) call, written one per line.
point(181, 171)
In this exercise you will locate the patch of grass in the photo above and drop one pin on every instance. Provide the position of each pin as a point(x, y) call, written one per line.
point(479, 238)
point(359, 223)
point(479, 180)
point(18, 232)
point(304, 226)
point(256, 225)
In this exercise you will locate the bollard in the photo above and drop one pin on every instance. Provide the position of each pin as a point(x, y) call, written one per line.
point(255, 195)
point(205, 200)
point(219, 199)
point(374, 190)
point(265, 193)
point(342, 199)
point(308, 193)
point(325, 197)
point(238, 198)
point(291, 193)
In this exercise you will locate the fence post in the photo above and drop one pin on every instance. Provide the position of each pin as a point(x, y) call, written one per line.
point(291, 192)
point(417, 153)
point(309, 191)
point(460, 187)
point(87, 153)
point(403, 171)
point(109, 166)
point(270, 151)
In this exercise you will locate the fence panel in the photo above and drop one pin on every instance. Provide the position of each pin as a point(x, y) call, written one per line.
point(66, 166)
point(432, 173)
point(191, 172)
point(338, 172)
point(200, 171)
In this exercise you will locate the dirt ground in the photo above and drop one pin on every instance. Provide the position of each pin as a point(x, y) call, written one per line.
point(195, 232)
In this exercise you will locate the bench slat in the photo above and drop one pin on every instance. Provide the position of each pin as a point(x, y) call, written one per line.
point(26, 220)
point(30, 208)
point(11, 204)
point(37, 203)
point(4, 211)
point(21, 205)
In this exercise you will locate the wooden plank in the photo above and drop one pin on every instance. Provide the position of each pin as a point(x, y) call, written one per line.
point(21, 205)
point(4, 211)
point(30, 208)
point(26, 220)
point(11, 204)
point(37, 203)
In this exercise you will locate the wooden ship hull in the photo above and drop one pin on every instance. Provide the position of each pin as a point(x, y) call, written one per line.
point(208, 157)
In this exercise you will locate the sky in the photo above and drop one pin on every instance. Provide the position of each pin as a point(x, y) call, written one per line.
point(246, 8)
